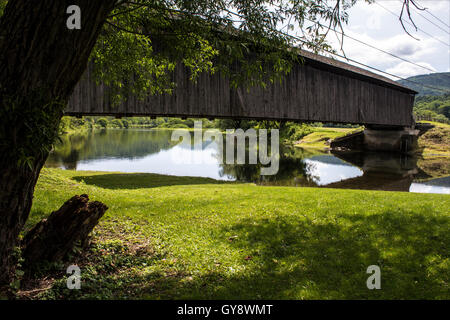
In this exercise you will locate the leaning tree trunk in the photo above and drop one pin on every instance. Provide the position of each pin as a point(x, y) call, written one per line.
point(54, 237)
point(40, 63)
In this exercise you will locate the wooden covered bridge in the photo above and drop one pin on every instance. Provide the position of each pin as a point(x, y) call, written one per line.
point(319, 89)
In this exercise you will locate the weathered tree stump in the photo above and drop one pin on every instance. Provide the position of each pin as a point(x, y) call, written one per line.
point(52, 238)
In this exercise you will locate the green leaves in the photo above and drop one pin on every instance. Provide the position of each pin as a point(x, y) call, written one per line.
point(29, 126)
point(143, 41)
point(125, 62)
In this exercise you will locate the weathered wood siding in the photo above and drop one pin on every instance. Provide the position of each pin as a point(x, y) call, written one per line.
point(309, 93)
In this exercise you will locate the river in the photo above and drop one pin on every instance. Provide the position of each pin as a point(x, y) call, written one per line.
point(152, 151)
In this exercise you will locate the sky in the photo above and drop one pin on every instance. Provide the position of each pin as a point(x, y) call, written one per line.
point(373, 24)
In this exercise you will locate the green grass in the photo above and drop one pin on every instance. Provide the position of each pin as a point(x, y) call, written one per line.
point(435, 142)
point(192, 238)
point(439, 124)
point(319, 139)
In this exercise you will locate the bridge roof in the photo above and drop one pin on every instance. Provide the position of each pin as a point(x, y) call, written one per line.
point(340, 67)
point(337, 66)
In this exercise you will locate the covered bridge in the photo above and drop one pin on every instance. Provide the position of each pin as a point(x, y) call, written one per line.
point(319, 89)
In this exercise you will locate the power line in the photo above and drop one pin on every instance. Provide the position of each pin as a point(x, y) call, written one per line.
point(349, 59)
point(387, 73)
point(411, 24)
point(369, 45)
point(360, 63)
point(379, 70)
point(391, 74)
point(446, 31)
point(381, 50)
point(430, 13)
point(432, 22)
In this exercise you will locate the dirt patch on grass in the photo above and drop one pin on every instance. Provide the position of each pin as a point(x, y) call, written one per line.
point(436, 141)
point(435, 167)
point(112, 253)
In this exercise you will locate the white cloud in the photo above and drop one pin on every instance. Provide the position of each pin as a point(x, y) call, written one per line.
point(374, 25)
point(405, 70)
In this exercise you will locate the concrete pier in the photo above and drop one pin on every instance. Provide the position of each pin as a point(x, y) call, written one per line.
point(402, 140)
point(391, 140)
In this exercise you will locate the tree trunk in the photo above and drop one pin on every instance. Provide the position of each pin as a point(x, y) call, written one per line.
point(40, 63)
point(53, 238)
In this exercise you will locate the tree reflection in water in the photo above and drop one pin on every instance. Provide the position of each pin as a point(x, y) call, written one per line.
point(297, 166)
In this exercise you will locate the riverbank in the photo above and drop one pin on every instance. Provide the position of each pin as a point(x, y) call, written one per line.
point(194, 238)
point(434, 143)
point(321, 137)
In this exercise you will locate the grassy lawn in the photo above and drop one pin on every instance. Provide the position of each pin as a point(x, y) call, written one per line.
point(435, 142)
point(193, 238)
point(319, 139)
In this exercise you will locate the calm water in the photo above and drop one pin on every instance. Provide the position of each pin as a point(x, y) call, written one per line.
point(152, 151)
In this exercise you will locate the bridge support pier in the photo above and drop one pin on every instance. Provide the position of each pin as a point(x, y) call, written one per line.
point(402, 140)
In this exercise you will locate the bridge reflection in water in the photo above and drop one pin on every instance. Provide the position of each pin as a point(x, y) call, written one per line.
point(152, 151)
point(381, 171)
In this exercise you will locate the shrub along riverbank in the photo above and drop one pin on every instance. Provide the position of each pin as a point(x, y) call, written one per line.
point(290, 132)
point(434, 143)
point(178, 237)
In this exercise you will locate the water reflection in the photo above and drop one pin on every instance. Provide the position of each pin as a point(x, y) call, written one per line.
point(439, 185)
point(326, 169)
point(153, 151)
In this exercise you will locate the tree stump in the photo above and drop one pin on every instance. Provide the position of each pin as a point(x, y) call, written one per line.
point(52, 238)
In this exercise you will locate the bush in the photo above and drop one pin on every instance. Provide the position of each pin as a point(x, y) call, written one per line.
point(301, 131)
point(117, 123)
point(64, 124)
point(71, 123)
point(433, 108)
point(102, 122)
point(173, 125)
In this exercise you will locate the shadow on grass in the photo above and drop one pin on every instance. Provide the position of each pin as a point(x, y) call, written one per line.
point(141, 180)
point(301, 258)
point(310, 260)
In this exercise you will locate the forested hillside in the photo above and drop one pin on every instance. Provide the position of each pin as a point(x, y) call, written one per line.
point(433, 108)
point(429, 84)
point(433, 101)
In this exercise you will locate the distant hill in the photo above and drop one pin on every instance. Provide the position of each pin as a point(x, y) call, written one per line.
point(438, 80)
